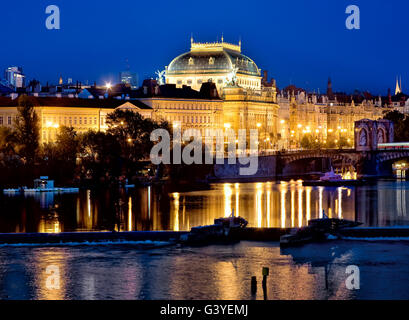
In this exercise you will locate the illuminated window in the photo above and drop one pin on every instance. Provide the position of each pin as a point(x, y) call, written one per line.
point(211, 61)
point(191, 61)
point(9, 120)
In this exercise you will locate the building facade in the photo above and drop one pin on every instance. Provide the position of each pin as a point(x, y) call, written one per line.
point(326, 122)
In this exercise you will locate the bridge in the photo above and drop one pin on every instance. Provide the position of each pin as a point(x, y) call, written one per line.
point(373, 163)
point(365, 163)
point(373, 155)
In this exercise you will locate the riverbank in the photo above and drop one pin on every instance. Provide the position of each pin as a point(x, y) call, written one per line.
point(248, 234)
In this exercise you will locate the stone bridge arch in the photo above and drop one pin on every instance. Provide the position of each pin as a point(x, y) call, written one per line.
point(291, 162)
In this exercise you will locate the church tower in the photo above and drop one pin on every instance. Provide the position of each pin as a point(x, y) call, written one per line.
point(398, 86)
point(330, 93)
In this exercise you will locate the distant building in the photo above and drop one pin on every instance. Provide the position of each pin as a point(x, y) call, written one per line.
point(15, 77)
point(81, 114)
point(130, 78)
point(324, 118)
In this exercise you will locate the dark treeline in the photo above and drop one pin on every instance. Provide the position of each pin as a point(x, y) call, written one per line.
point(400, 125)
point(87, 159)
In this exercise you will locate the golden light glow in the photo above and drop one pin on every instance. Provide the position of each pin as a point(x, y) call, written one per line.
point(130, 214)
point(237, 189)
point(259, 194)
point(176, 211)
point(292, 205)
point(308, 203)
point(340, 203)
point(268, 208)
point(228, 192)
point(320, 208)
point(300, 208)
point(283, 191)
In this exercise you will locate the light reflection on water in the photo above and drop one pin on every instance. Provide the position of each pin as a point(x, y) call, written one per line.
point(267, 204)
point(315, 271)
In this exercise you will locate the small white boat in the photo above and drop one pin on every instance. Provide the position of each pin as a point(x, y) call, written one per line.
point(331, 176)
point(43, 184)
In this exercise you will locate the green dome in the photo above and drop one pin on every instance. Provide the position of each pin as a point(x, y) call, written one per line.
point(212, 62)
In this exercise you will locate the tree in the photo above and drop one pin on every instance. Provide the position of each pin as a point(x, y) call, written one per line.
point(310, 142)
point(133, 133)
point(100, 155)
point(67, 144)
point(27, 130)
point(343, 143)
point(7, 140)
point(400, 124)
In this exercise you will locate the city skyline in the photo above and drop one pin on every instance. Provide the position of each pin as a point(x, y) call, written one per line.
point(305, 57)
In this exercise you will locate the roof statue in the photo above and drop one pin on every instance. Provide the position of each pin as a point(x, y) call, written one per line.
point(160, 75)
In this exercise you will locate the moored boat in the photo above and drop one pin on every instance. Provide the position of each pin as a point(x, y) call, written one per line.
point(43, 184)
point(221, 231)
point(318, 230)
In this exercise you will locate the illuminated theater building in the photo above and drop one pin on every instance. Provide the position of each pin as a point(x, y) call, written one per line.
point(246, 102)
point(213, 62)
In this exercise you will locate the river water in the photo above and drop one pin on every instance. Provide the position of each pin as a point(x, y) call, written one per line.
point(119, 271)
point(147, 271)
point(268, 204)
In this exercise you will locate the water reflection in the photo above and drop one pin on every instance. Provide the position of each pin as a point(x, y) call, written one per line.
point(269, 204)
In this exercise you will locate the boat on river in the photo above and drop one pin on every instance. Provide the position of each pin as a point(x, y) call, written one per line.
point(331, 179)
point(224, 230)
point(318, 230)
point(43, 184)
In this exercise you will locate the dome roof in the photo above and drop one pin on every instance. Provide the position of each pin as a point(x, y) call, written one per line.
point(213, 58)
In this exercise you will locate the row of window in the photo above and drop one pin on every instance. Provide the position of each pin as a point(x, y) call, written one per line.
point(69, 121)
point(5, 120)
point(188, 119)
point(189, 82)
point(246, 82)
point(186, 106)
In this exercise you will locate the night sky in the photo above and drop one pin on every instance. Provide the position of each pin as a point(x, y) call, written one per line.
point(299, 42)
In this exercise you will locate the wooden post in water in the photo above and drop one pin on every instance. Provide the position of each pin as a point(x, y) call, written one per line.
point(253, 285)
point(266, 272)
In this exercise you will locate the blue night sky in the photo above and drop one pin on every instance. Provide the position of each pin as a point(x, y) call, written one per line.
point(299, 42)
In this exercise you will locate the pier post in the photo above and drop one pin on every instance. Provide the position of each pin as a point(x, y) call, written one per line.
point(265, 273)
point(253, 285)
